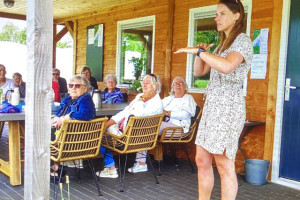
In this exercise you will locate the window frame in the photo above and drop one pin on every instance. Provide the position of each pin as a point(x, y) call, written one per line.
point(207, 12)
point(132, 23)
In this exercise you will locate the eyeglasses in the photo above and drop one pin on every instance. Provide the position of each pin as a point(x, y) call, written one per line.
point(54, 74)
point(77, 86)
point(178, 84)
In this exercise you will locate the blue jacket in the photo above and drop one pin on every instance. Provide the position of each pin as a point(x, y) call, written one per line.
point(116, 95)
point(82, 108)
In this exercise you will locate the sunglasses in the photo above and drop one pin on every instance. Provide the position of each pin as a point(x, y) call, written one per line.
point(77, 86)
point(54, 74)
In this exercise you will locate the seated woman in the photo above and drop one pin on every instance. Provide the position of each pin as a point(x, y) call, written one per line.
point(18, 81)
point(79, 105)
point(179, 107)
point(145, 104)
point(111, 92)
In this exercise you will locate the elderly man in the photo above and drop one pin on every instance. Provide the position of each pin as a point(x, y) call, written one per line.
point(61, 82)
point(5, 83)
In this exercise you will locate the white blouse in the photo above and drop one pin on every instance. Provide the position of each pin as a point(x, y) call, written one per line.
point(138, 108)
point(182, 109)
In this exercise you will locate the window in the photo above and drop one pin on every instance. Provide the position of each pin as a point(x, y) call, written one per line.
point(202, 28)
point(135, 44)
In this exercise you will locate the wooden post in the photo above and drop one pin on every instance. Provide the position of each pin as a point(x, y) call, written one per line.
point(38, 95)
point(75, 25)
point(273, 80)
point(54, 46)
point(169, 41)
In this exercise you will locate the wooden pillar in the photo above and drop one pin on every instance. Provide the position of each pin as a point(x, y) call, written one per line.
point(168, 61)
point(38, 96)
point(54, 47)
point(273, 79)
point(75, 25)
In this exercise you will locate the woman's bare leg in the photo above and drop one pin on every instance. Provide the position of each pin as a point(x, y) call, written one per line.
point(205, 173)
point(229, 185)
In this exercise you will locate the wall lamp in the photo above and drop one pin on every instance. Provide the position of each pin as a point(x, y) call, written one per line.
point(9, 3)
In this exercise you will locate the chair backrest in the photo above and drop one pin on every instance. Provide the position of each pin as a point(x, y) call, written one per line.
point(194, 123)
point(78, 140)
point(177, 135)
point(140, 134)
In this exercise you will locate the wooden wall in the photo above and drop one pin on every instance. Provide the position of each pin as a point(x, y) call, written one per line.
point(258, 94)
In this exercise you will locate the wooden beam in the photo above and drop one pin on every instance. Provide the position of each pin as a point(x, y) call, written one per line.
point(273, 79)
point(38, 98)
point(168, 59)
point(61, 34)
point(70, 27)
point(12, 16)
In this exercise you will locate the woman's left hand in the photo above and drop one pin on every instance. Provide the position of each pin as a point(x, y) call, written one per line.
point(61, 120)
point(148, 95)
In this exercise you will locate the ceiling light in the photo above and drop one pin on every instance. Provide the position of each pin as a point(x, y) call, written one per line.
point(9, 3)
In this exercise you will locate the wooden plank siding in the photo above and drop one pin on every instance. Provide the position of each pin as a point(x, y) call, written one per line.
point(259, 95)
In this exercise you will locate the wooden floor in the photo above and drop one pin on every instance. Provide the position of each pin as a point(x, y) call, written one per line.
point(176, 183)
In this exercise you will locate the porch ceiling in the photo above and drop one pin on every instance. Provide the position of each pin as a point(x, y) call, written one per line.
point(63, 9)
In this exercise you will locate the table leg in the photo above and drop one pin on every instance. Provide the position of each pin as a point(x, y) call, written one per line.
point(247, 130)
point(14, 153)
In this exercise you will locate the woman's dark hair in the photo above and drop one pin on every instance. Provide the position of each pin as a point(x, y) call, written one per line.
point(235, 6)
point(86, 68)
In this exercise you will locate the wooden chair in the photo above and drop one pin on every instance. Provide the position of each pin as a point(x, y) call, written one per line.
point(78, 140)
point(140, 134)
point(176, 135)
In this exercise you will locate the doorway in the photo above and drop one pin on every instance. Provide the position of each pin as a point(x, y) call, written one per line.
point(286, 159)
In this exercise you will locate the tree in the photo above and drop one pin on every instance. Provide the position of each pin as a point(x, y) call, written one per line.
point(12, 33)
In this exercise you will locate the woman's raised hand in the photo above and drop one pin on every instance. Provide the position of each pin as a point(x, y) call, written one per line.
point(193, 50)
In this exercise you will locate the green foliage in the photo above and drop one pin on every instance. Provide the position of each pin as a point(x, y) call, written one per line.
point(135, 87)
point(139, 65)
point(12, 33)
point(201, 83)
point(208, 37)
point(60, 44)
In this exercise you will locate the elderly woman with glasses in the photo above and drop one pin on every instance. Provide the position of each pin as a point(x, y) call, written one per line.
point(79, 106)
point(179, 107)
point(111, 92)
point(147, 103)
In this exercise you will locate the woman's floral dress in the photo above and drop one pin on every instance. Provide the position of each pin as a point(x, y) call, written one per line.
point(224, 111)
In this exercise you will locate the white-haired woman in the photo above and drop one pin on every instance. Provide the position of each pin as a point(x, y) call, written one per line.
point(145, 104)
point(179, 107)
point(111, 92)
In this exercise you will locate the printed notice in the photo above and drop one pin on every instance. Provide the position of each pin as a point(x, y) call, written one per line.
point(91, 36)
point(259, 66)
point(100, 35)
point(260, 41)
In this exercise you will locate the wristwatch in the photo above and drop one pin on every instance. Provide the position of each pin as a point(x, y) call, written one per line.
point(200, 50)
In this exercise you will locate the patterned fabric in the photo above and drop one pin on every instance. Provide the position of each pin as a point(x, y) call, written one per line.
point(224, 110)
point(116, 95)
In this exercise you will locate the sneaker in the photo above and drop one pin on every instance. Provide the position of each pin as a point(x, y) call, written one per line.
point(108, 173)
point(76, 163)
point(138, 168)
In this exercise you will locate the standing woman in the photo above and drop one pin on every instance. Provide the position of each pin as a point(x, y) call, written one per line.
point(224, 109)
